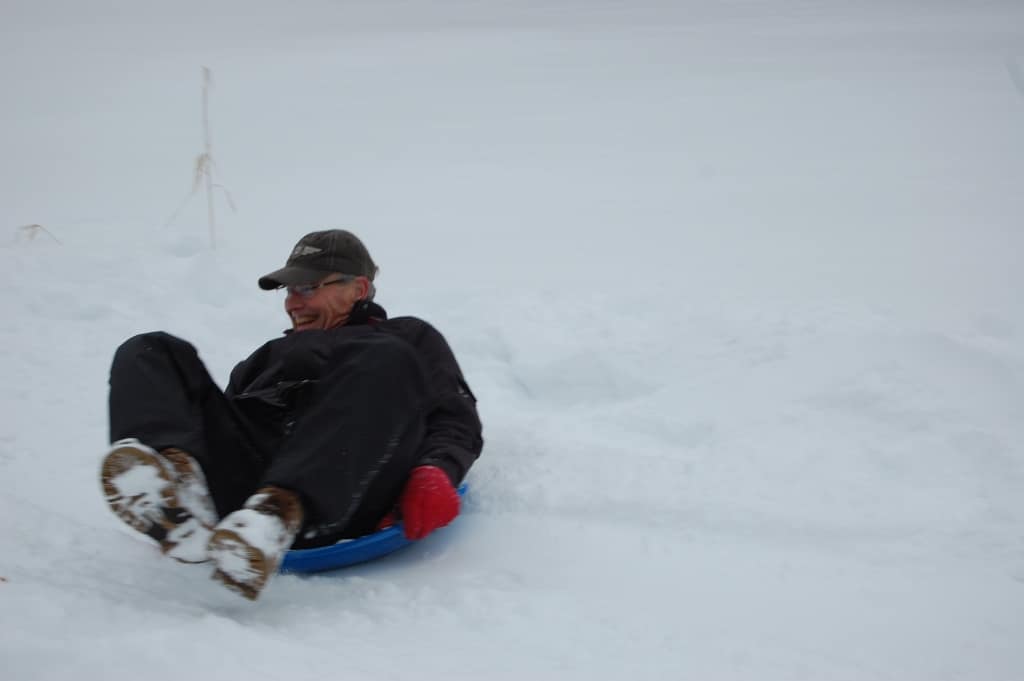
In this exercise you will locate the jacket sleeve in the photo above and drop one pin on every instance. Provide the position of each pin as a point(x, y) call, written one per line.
point(453, 439)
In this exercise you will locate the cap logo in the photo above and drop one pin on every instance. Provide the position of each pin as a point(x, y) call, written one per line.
point(303, 249)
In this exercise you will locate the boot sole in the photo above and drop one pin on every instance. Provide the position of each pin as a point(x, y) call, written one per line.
point(241, 567)
point(141, 490)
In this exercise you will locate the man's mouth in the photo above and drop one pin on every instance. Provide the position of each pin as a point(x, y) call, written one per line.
point(302, 320)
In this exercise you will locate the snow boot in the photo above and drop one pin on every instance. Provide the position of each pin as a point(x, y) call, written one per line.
point(163, 495)
point(248, 545)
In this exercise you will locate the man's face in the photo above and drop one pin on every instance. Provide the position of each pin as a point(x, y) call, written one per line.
point(325, 305)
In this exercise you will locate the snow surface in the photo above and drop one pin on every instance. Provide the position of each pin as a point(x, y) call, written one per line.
point(737, 285)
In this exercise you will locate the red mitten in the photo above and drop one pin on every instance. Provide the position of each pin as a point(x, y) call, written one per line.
point(428, 501)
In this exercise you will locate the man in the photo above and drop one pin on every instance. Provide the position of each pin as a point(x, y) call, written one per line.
point(327, 433)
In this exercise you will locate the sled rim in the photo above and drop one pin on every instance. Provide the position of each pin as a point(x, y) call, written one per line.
point(350, 551)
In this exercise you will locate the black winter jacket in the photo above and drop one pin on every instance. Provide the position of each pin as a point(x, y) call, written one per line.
point(453, 439)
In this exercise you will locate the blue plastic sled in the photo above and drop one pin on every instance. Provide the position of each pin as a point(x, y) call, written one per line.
point(350, 551)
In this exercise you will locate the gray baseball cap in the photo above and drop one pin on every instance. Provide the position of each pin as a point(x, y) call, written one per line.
point(321, 253)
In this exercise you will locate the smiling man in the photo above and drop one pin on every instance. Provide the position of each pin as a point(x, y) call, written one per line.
point(348, 421)
point(334, 258)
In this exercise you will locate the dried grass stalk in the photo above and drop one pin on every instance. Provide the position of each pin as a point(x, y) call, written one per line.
point(205, 166)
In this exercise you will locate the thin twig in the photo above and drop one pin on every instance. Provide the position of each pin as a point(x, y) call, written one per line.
point(227, 196)
point(33, 231)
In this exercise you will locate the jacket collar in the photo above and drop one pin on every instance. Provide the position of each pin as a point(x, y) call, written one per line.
point(366, 312)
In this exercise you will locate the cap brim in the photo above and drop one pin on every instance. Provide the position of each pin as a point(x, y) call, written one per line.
point(290, 276)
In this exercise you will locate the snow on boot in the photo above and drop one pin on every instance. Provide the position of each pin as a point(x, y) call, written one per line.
point(248, 545)
point(162, 495)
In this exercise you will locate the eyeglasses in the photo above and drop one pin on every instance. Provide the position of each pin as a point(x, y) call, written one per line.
point(309, 290)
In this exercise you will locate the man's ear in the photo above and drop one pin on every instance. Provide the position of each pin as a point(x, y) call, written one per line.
point(364, 287)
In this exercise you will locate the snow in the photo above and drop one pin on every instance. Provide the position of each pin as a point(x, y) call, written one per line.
point(736, 284)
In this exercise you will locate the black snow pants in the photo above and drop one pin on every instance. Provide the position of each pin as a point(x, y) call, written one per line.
point(344, 436)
